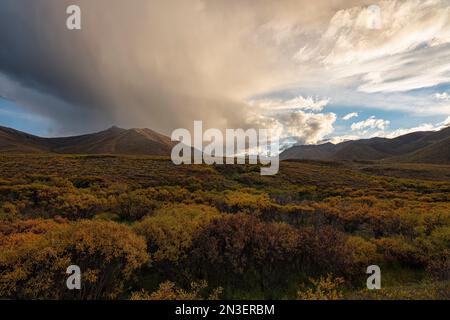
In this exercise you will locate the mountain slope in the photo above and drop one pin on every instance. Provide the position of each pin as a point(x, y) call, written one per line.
point(112, 141)
point(430, 147)
point(319, 152)
point(438, 153)
point(16, 141)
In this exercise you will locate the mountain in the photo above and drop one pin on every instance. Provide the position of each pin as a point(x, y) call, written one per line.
point(16, 141)
point(310, 152)
point(438, 153)
point(112, 141)
point(420, 147)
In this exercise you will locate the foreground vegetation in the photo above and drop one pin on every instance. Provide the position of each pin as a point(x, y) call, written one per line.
point(141, 228)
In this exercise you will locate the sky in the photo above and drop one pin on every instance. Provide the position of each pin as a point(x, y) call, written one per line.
point(312, 71)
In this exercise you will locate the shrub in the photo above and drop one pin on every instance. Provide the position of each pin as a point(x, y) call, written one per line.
point(8, 211)
point(363, 253)
point(133, 205)
point(325, 250)
point(169, 231)
point(77, 205)
point(169, 291)
point(106, 252)
point(251, 203)
point(400, 250)
point(240, 248)
point(325, 288)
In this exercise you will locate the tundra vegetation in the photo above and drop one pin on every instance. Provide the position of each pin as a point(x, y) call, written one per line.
point(143, 228)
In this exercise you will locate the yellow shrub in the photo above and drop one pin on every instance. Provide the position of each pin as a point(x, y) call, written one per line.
point(323, 289)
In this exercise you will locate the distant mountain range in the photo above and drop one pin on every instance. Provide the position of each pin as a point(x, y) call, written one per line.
point(420, 147)
point(112, 141)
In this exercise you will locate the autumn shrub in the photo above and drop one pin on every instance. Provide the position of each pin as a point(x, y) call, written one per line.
point(88, 182)
point(246, 201)
point(169, 230)
point(324, 288)
point(15, 232)
point(439, 267)
point(8, 211)
point(77, 205)
point(36, 194)
point(170, 291)
point(168, 234)
point(169, 194)
point(438, 248)
point(107, 253)
point(42, 200)
point(400, 250)
point(325, 250)
point(363, 253)
point(381, 217)
point(239, 250)
point(133, 205)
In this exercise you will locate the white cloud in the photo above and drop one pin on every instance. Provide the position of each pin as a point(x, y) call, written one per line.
point(402, 132)
point(299, 103)
point(419, 128)
point(442, 96)
point(350, 116)
point(409, 49)
point(308, 128)
point(390, 134)
point(340, 139)
point(371, 123)
point(405, 26)
point(445, 123)
point(291, 124)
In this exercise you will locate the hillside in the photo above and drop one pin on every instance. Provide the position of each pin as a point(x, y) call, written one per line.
point(437, 153)
point(16, 141)
point(112, 141)
point(420, 147)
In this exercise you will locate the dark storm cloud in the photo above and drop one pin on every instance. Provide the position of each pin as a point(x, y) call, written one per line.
point(152, 63)
point(55, 73)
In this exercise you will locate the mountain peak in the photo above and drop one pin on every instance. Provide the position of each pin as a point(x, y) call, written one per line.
point(115, 128)
point(114, 140)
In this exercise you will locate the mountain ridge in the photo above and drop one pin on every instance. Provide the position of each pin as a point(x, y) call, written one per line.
point(416, 147)
point(114, 140)
point(420, 147)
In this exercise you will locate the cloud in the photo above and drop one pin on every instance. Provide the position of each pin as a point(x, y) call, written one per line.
point(343, 138)
point(442, 96)
point(389, 134)
point(293, 121)
point(401, 132)
point(409, 49)
point(404, 27)
point(307, 128)
point(160, 64)
point(371, 123)
point(445, 123)
point(350, 116)
point(298, 103)
point(165, 63)
point(42, 105)
point(422, 127)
